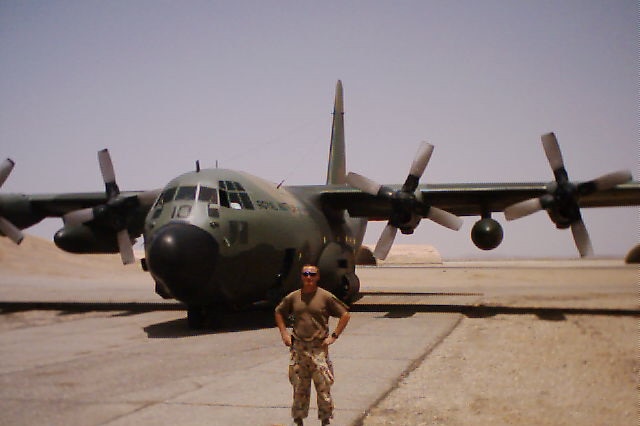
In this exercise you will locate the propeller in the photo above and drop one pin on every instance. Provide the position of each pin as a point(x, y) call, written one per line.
point(6, 227)
point(562, 198)
point(113, 212)
point(407, 209)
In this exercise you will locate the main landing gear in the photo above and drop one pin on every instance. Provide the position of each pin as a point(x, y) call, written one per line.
point(204, 317)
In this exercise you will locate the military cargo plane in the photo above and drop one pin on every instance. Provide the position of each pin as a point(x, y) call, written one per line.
point(216, 238)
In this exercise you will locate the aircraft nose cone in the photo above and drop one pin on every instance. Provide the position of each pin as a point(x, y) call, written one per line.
point(183, 257)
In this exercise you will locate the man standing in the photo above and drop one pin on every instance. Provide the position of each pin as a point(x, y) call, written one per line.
point(311, 307)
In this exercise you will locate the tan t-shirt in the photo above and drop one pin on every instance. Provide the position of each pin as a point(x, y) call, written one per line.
point(311, 312)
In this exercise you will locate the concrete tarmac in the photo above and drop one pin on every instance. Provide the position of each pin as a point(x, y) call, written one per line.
point(112, 368)
point(144, 367)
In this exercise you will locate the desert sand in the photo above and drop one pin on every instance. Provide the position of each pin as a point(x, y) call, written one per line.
point(412, 254)
point(37, 256)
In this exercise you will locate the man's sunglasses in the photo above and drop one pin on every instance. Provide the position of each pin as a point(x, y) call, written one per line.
point(309, 274)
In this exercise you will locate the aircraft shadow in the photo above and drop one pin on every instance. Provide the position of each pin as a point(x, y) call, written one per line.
point(262, 317)
point(229, 322)
point(486, 311)
point(125, 308)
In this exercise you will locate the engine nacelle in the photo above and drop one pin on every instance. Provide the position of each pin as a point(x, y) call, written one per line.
point(487, 234)
point(83, 239)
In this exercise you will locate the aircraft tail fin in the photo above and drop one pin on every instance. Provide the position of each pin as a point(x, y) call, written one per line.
point(336, 172)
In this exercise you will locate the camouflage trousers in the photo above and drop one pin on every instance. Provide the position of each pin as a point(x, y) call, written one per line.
point(310, 361)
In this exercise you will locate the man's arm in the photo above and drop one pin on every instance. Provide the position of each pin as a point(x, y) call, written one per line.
point(284, 333)
point(342, 324)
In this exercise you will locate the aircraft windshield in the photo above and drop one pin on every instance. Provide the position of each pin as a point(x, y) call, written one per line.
point(232, 195)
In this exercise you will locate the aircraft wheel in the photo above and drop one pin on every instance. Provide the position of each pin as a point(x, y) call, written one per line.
point(634, 255)
point(351, 288)
point(196, 317)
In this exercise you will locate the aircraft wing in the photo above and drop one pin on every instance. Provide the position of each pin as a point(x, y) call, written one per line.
point(469, 199)
point(22, 210)
point(404, 208)
point(94, 222)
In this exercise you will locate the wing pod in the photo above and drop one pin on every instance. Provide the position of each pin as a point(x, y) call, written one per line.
point(6, 227)
point(561, 201)
point(406, 209)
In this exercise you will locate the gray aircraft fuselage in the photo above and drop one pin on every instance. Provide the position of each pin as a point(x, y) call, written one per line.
point(223, 237)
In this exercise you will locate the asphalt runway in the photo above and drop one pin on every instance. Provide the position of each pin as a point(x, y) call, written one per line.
point(94, 352)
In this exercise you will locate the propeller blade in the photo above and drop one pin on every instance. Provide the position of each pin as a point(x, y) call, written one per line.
point(106, 166)
point(421, 160)
point(552, 150)
point(108, 174)
point(126, 248)
point(610, 180)
point(417, 167)
point(581, 238)
point(444, 218)
point(5, 169)
point(385, 242)
point(604, 182)
point(363, 183)
point(11, 231)
point(78, 217)
point(523, 208)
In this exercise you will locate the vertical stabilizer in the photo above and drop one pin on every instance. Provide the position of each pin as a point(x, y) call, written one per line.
point(336, 171)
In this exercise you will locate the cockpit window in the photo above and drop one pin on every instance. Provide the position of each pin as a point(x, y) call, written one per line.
point(208, 195)
point(224, 198)
point(166, 196)
point(233, 195)
point(234, 200)
point(246, 201)
point(186, 193)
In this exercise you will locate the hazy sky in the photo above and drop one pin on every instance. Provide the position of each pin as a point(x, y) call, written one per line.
point(250, 84)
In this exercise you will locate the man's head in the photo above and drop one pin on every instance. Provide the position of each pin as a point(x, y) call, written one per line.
point(310, 277)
